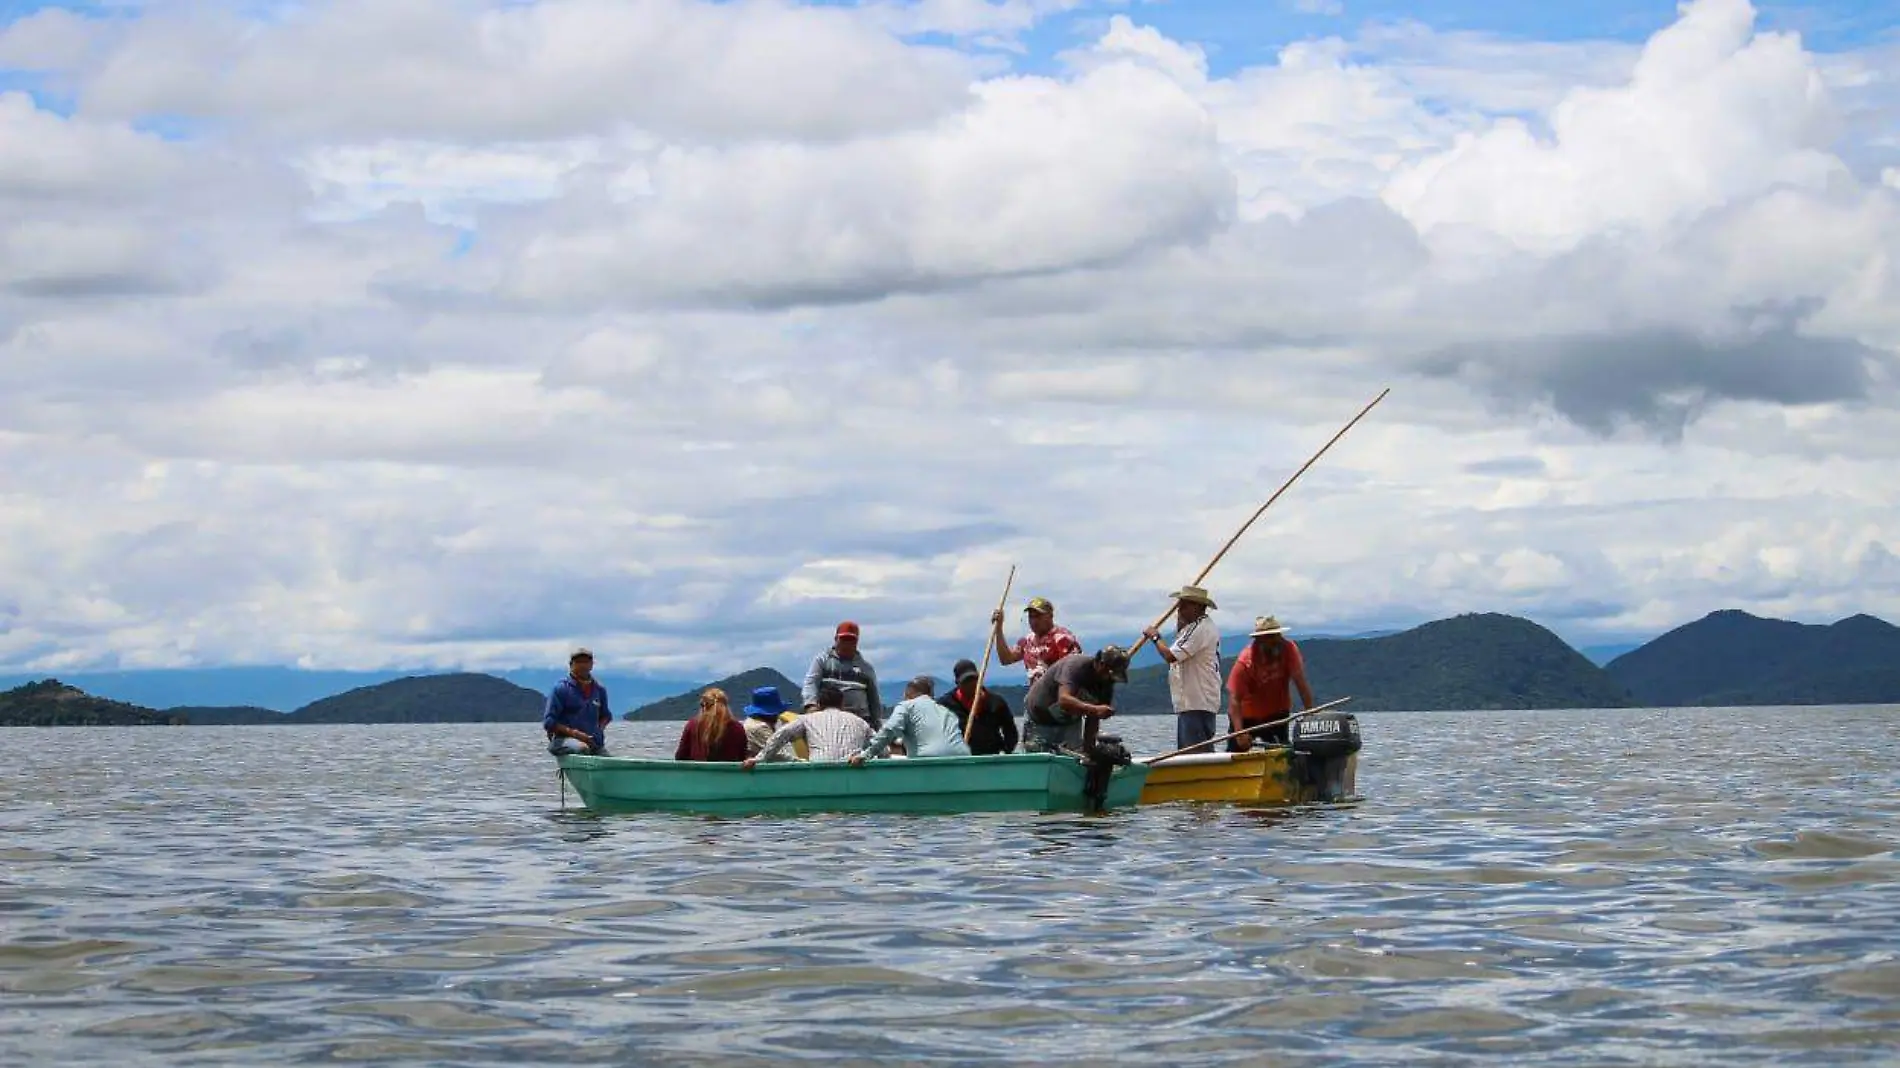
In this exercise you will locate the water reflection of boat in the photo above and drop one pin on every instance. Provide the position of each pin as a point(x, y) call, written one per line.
point(1017, 782)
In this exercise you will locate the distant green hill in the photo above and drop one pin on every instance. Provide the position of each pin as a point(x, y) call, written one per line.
point(452, 698)
point(51, 703)
point(229, 715)
point(457, 698)
point(1473, 661)
point(738, 692)
point(1734, 658)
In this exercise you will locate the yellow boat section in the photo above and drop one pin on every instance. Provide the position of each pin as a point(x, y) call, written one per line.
point(1259, 777)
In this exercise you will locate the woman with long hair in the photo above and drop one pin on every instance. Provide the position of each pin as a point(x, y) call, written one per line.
point(712, 733)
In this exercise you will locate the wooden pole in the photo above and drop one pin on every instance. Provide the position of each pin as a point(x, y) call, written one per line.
point(976, 699)
point(1256, 727)
point(1089, 731)
point(1262, 510)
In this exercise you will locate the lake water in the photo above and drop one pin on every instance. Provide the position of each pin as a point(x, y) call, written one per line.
point(1640, 887)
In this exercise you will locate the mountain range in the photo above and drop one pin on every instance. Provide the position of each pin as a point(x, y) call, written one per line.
point(286, 689)
point(1467, 662)
point(1492, 661)
point(1474, 661)
point(1733, 658)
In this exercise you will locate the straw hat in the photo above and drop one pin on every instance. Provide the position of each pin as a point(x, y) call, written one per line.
point(1195, 594)
point(1265, 625)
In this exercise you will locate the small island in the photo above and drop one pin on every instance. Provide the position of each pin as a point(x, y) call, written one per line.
point(52, 703)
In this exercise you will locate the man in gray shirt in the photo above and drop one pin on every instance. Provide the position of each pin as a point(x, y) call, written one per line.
point(1077, 688)
point(843, 664)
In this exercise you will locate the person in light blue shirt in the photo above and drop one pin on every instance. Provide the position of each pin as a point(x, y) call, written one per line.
point(926, 728)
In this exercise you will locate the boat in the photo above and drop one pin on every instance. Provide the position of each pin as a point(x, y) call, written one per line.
point(1321, 764)
point(1015, 782)
point(1268, 776)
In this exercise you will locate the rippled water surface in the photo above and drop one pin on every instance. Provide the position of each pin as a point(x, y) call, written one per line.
point(1702, 887)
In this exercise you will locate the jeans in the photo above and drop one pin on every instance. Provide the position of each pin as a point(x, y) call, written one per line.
point(564, 745)
point(1051, 738)
point(1192, 727)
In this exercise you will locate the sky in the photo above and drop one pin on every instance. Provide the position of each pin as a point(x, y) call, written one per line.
point(449, 333)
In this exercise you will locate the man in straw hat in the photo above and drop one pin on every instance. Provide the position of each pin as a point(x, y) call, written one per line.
point(1045, 643)
point(1258, 685)
point(1193, 666)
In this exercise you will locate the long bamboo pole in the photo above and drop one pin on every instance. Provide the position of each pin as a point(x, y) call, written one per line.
point(976, 699)
point(1262, 510)
point(1089, 731)
point(1316, 709)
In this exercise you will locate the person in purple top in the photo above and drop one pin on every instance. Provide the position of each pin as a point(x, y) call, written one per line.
point(577, 715)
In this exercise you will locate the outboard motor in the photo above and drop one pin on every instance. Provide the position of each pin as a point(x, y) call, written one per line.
point(1324, 754)
point(1102, 758)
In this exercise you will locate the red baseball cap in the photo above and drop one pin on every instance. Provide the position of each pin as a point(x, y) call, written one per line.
point(846, 628)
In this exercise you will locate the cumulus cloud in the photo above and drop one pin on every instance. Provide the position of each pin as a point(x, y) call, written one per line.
point(45, 156)
point(1713, 111)
point(1037, 176)
point(492, 70)
point(687, 328)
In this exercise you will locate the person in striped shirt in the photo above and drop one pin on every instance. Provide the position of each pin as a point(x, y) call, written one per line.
point(831, 734)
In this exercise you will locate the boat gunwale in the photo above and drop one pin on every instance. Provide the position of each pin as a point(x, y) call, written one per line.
point(615, 763)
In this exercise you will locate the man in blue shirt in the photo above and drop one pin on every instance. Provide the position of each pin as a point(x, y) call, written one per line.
point(927, 728)
point(577, 715)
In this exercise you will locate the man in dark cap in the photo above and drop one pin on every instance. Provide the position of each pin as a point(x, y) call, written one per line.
point(1078, 688)
point(576, 715)
point(995, 730)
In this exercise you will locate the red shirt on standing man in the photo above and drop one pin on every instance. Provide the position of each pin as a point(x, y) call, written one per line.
point(1258, 684)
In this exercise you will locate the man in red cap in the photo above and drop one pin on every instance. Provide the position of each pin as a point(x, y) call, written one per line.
point(844, 665)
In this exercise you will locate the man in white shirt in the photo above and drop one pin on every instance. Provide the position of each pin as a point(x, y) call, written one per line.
point(1194, 676)
point(830, 733)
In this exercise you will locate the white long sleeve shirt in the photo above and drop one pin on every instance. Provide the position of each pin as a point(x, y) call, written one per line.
point(1194, 679)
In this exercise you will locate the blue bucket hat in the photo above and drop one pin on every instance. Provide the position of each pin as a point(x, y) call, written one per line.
point(766, 703)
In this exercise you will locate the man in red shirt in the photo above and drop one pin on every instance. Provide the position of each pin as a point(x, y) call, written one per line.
point(1045, 643)
point(1258, 685)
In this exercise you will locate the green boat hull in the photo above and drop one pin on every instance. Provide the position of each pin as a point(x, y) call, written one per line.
point(1018, 782)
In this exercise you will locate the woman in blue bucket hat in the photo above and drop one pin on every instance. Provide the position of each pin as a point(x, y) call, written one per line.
point(761, 719)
